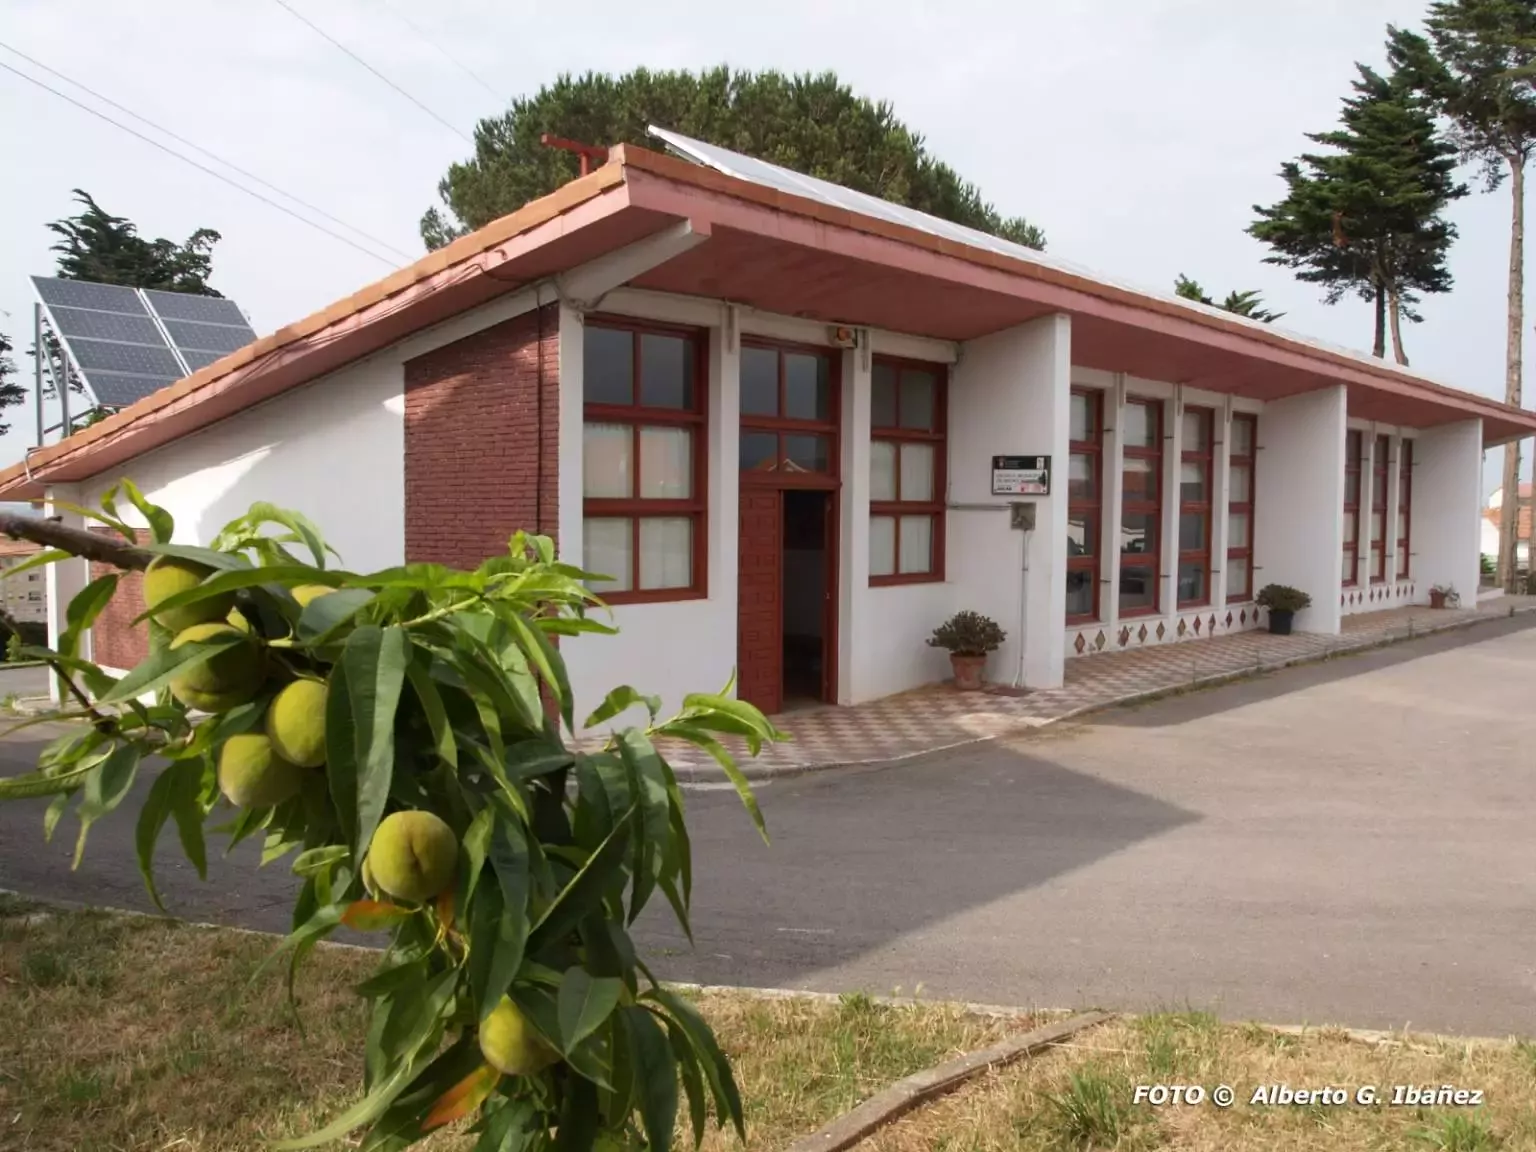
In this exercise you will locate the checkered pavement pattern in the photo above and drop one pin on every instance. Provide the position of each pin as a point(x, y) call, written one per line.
point(937, 717)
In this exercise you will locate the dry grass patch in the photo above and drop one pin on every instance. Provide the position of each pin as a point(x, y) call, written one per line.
point(130, 1033)
point(1080, 1096)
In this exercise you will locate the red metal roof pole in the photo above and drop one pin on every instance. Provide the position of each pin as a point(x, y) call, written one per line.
point(587, 152)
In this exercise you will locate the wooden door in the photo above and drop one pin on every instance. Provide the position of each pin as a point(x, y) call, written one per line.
point(760, 629)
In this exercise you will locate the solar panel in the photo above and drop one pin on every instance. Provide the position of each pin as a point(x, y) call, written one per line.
point(186, 306)
point(197, 360)
point(81, 294)
point(189, 336)
point(200, 325)
point(107, 326)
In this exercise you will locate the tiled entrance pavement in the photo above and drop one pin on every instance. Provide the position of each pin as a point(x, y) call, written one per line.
point(936, 717)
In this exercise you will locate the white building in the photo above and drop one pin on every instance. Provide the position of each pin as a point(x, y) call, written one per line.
point(772, 409)
point(24, 596)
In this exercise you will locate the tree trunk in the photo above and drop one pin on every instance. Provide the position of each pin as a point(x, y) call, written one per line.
point(1379, 344)
point(1394, 315)
point(1509, 517)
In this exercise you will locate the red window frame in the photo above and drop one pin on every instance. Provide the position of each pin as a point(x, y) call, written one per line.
point(1353, 446)
point(938, 437)
point(1093, 450)
point(1379, 473)
point(637, 508)
point(1247, 462)
point(1405, 508)
point(1204, 459)
point(783, 426)
point(1151, 561)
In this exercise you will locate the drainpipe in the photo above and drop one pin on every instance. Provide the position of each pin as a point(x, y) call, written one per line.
point(1018, 678)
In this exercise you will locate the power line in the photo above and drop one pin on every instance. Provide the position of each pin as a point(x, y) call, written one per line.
point(454, 60)
point(200, 167)
point(326, 35)
point(212, 155)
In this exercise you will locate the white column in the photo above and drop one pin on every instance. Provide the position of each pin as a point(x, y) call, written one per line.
point(1221, 477)
point(66, 577)
point(1367, 505)
point(572, 420)
point(1299, 490)
point(1113, 498)
point(724, 436)
point(1445, 532)
point(1173, 451)
point(1394, 497)
point(853, 560)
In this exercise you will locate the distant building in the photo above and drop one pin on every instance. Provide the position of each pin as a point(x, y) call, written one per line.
point(24, 596)
point(1492, 516)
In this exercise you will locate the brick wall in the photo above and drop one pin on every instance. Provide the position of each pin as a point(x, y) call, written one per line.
point(481, 459)
point(115, 641)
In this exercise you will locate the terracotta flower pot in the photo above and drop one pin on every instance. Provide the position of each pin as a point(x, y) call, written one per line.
point(1437, 599)
point(967, 671)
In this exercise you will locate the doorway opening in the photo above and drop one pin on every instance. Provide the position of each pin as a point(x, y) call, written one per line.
point(807, 589)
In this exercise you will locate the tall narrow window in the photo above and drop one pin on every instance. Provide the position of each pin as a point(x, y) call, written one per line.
point(906, 473)
point(1141, 516)
point(1085, 503)
point(1351, 559)
point(1379, 474)
point(1195, 457)
point(1244, 440)
point(1404, 506)
point(643, 461)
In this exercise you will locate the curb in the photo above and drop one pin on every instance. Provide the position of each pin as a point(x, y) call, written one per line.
point(907, 1093)
point(695, 775)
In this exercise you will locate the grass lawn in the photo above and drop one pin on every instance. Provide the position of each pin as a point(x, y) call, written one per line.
point(1080, 1096)
point(123, 1032)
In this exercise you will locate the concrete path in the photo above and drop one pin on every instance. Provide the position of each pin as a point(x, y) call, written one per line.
point(1348, 842)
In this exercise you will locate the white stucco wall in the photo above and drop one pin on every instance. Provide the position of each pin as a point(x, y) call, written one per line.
point(1447, 475)
point(1299, 535)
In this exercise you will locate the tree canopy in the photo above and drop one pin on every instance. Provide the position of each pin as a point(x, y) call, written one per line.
point(95, 245)
point(11, 393)
point(1249, 303)
point(814, 124)
point(1366, 217)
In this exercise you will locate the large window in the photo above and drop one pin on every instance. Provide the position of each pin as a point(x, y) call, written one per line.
point(643, 458)
point(1141, 516)
point(1351, 559)
point(1404, 506)
point(1243, 442)
point(788, 415)
point(1085, 503)
point(1195, 457)
point(1379, 474)
point(906, 473)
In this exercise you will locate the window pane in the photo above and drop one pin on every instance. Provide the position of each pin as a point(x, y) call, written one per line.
point(605, 549)
point(1192, 488)
point(1241, 484)
point(882, 545)
point(1079, 593)
point(882, 398)
point(1197, 431)
point(882, 470)
point(666, 371)
point(1352, 488)
point(606, 468)
point(1138, 533)
point(1376, 527)
point(1402, 523)
point(807, 386)
point(1350, 524)
point(1347, 569)
point(1082, 534)
point(1082, 483)
point(1242, 437)
point(916, 544)
point(1352, 447)
point(1237, 578)
point(1138, 589)
point(1192, 583)
point(1140, 483)
point(807, 454)
point(1138, 426)
point(666, 463)
point(1083, 424)
point(1380, 490)
point(918, 391)
point(1238, 535)
point(759, 451)
point(608, 365)
point(666, 552)
point(1402, 563)
point(917, 471)
point(759, 382)
point(1192, 533)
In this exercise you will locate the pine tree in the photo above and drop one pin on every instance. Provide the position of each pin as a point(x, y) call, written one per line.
point(1367, 216)
point(11, 393)
point(107, 249)
point(1249, 303)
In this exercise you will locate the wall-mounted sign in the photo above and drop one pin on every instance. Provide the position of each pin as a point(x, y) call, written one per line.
point(1021, 475)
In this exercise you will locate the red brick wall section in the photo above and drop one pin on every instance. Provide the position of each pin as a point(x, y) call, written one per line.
point(115, 641)
point(482, 428)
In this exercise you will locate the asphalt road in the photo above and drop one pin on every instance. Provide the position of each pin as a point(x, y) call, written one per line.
point(1349, 842)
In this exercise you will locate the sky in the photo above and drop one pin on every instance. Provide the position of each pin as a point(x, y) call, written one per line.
point(1137, 133)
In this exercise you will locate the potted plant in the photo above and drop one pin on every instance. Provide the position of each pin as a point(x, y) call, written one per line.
point(1283, 602)
point(968, 636)
point(1444, 596)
